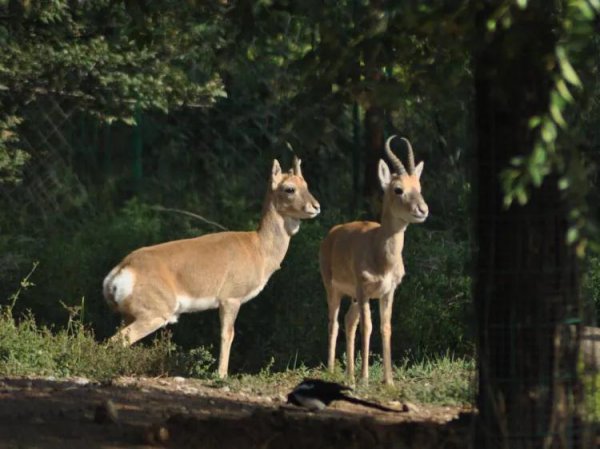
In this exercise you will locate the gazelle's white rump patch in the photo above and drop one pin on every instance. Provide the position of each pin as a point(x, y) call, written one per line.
point(118, 285)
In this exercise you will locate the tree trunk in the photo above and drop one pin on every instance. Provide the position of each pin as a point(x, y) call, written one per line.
point(374, 128)
point(527, 277)
point(374, 119)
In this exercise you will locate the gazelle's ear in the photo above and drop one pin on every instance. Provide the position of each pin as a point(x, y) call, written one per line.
point(419, 169)
point(384, 174)
point(276, 175)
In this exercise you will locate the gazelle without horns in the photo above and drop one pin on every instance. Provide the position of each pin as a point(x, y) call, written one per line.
point(363, 260)
point(153, 285)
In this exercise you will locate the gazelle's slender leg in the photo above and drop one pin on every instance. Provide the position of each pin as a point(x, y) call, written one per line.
point(351, 322)
point(364, 258)
point(366, 327)
point(385, 314)
point(334, 298)
point(228, 311)
point(137, 330)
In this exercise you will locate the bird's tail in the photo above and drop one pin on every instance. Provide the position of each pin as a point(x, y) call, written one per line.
point(369, 404)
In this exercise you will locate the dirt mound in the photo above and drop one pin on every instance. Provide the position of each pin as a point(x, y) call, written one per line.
point(183, 413)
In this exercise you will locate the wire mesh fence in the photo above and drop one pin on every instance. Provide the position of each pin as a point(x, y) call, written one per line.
point(557, 345)
point(49, 187)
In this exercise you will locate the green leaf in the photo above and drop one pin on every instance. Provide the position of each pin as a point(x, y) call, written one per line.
point(572, 235)
point(586, 10)
point(580, 248)
point(563, 90)
point(563, 183)
point(566, 68)
point(129, 121)
point(521, 195)
point(535, 121)
point(522, 4)
point(556, 114)
point(539, 156)
point(548, 131)
point(517, 161)
point(536, 176)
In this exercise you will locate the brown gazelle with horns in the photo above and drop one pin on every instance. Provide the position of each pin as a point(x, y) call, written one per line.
point(363, 260)
point(152, 286)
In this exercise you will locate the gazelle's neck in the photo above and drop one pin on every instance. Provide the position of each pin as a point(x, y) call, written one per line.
point(274, 233)
point(390, 238)
point(391, 226)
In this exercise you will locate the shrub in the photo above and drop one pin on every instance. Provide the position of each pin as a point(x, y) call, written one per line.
point(591, 287)
point(27, 348)
point(286, 321)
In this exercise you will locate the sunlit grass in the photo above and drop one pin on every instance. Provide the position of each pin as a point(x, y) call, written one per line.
point(28, 349)
point(444, 380)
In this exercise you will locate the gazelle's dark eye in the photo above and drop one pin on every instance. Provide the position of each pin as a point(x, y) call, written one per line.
point(289, 189)
point(398, 191)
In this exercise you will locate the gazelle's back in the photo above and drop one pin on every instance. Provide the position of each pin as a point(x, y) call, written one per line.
point(229, 264)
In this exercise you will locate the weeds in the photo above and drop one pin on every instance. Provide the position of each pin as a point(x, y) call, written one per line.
point(27, 348)
point(443, 381)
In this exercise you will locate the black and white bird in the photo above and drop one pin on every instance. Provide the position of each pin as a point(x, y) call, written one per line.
point(316, 394)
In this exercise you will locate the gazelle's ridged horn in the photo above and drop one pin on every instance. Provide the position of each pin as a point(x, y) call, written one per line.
point(297, 169)
point(397, 163)
point(411, 156)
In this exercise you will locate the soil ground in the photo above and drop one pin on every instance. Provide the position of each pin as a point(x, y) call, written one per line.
point(186, 413)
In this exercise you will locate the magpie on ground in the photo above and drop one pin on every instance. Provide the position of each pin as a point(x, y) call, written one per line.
point(316, 394)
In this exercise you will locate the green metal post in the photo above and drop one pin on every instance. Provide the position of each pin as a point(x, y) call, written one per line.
point(137, 149)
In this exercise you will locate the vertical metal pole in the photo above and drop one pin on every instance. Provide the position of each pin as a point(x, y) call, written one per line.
point(356, 154)
point(137, 149)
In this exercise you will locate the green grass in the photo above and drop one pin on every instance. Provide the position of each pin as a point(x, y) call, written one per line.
point(442, 381)
point(29, 349)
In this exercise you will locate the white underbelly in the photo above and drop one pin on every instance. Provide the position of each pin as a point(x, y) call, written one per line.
point(187, 304)
point(373, 289)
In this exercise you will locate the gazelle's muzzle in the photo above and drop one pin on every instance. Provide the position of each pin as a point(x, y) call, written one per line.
point(312, 207)
point(419, 210)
